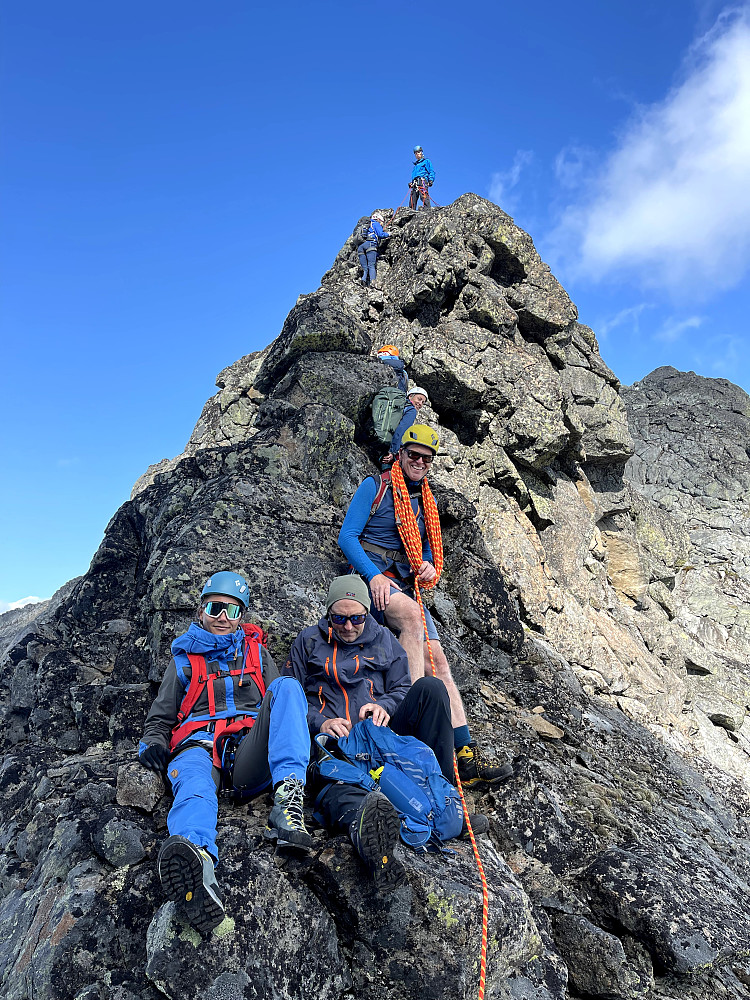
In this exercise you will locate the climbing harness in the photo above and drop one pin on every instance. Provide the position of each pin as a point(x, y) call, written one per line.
point(408, 529)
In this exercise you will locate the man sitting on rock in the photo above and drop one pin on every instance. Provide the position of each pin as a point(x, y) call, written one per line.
point(372, 539)
point(352, 669)
point(223, 714)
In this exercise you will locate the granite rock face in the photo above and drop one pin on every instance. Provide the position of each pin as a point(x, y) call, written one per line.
point(594, 621)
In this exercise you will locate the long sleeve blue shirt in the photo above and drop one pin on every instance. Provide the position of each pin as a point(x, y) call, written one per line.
point(380, 529)
point(400, 369)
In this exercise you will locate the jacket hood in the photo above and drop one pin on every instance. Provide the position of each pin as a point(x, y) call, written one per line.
point(198, 640)
point(369, 632)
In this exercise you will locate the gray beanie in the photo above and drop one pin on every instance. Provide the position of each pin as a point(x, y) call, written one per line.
point(349, 587)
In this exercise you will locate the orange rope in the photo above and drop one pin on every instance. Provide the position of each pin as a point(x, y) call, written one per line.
point(408, 529)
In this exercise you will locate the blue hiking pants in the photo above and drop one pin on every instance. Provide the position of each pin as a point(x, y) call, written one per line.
point(368, 259)
point(277, 747)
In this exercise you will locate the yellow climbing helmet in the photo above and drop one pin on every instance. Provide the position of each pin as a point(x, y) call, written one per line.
point(388, 349)
point(421, 434)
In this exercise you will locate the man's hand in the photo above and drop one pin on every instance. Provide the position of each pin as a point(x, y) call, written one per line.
point(378, 714)
point(380, 590)
point(336, 727)
point(154, 757)
point(427, 572)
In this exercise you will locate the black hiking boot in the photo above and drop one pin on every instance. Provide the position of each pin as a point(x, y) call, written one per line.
point(479, 824)
point(187, 877)
point(374, 833)
point(286, 821)
point(476, 772)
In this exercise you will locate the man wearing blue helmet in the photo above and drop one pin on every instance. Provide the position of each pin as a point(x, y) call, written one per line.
point(223, 717)
point(422, 177)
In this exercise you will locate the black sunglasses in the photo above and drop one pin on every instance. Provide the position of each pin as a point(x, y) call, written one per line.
point(417, 456)
point(343, 619)
point(214, 608)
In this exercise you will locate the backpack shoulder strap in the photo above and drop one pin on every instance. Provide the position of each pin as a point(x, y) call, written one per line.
point(255, 638)
point(198, 679)
point(383, 481)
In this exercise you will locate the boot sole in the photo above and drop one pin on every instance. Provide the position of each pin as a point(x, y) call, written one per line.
point(181, 874)
point(379, 828)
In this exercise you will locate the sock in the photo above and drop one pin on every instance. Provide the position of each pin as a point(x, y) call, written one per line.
point(461, 737)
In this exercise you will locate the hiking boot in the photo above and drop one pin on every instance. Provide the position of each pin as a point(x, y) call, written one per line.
point(286, 821)
point(476, 772)
point(479, 824)
point(374, 833)
point(187, 877)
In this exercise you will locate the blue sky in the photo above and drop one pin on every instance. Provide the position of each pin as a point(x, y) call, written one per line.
point(173, 175)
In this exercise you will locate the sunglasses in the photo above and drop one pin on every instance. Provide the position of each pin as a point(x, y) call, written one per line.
point(417, 456)
point(214, 608)
point(343, 619)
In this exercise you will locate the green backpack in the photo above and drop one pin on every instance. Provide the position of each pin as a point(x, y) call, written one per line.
point(387, 410)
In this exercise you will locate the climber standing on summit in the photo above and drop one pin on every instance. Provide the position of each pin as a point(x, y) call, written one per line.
point(371, 539)
point(223, 717)
point(422, 177)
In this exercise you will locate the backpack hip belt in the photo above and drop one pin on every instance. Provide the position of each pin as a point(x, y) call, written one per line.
point(392, 555)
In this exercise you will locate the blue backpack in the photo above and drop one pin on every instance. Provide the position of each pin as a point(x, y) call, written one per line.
point(407, 772)
point(362, 233)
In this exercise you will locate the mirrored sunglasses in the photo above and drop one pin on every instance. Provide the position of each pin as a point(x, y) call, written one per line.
point(214, 608)
point(342, 619)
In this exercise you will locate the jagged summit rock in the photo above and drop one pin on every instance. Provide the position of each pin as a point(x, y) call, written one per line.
point(617, 860)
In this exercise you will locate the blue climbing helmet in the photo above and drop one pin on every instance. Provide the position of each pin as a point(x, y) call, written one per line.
point(418, 149)
point(228, 585)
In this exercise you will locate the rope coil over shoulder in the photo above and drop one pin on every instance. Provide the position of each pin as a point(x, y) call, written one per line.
point(408, 529)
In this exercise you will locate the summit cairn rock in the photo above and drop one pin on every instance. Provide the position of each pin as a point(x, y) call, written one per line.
point(593, 606)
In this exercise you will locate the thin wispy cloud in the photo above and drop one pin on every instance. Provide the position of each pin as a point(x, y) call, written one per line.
point(721, 356)
point(671, 204)
point(504, 182)
point(672, 329)
point(628, 318)
point(13, 605)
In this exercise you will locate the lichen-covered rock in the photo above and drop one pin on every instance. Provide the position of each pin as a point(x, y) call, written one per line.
point(596, 626)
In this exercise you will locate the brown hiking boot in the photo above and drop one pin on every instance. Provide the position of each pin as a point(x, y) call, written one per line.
point(477, 772)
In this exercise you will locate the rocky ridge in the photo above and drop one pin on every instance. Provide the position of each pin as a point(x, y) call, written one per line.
point(591, 604)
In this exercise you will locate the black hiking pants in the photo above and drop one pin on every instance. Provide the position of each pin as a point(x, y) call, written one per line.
point(425, 713)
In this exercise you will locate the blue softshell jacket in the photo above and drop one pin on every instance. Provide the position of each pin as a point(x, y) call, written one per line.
point(423, 168)
point(340, 677)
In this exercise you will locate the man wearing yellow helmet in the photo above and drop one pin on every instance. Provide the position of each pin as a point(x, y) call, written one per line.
point(371, 541)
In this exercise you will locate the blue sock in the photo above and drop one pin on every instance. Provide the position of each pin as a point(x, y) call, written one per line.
point(461, 737)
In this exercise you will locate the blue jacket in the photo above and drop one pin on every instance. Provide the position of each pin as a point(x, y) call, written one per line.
point(340, 677)
point(376, 233)
point(409, 417)
point(380, 529)
point(423, 168)
point(399, 367)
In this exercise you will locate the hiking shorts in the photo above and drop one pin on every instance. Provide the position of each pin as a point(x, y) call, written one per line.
point(431, 632)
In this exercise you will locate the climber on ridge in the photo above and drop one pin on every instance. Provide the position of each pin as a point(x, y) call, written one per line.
point(422, 177)
point(368, 248)
point(371, 540)
point(223, 716)
point(352, 668)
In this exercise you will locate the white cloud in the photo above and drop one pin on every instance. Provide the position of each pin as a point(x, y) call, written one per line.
point(572, 165)
point(671, 204)
point(629, 317)
point(12, 605)
point(503, 182)
point(672, 329)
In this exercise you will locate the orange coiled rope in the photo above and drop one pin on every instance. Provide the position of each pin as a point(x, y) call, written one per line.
point(406, 522)
point(408, 529)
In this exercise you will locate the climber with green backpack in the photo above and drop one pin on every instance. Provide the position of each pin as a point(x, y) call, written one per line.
point(393, 408)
